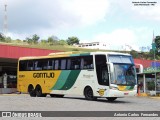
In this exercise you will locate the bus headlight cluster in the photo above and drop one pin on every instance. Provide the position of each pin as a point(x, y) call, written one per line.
point(113, 88)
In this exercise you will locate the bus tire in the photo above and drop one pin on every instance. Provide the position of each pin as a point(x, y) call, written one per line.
point(111, 99)
point(39, 92)
point(88, 93)
point(31, 91)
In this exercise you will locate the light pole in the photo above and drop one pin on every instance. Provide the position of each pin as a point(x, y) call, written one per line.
point(155, 73)
point(154, 49)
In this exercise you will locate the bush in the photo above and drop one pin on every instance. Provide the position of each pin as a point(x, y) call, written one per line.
point(151, 85)
point(75, 49)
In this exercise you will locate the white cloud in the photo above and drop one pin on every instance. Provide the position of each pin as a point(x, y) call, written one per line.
point(87, 11)
point(117, 37)
point(124, 38)
point(53, 16)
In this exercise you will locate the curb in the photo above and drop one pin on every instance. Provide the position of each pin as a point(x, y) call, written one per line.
point(148, 95)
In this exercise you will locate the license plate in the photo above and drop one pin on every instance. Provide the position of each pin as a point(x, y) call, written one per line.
point(125, 93)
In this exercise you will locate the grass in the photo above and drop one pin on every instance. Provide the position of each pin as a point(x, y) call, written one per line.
point(57, 47)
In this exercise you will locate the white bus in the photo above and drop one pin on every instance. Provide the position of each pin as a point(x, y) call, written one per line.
point(95, 74)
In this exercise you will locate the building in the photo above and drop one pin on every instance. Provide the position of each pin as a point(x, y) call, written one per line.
point(149, 77)
point(8, 64)
point(94, 45)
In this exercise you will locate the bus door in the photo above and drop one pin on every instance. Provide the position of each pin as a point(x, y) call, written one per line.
point(102, 70)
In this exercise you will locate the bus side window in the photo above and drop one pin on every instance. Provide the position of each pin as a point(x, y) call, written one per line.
point(68, 64)
point(56, 64)
point(30, 65)
point(63, 64)
point(87, 62)
point(45, 64)
point(50, 64)
point(38, 65)
point(22, 65)
point(75, 63)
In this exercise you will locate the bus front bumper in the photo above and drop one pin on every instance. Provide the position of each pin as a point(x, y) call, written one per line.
point(117, 93)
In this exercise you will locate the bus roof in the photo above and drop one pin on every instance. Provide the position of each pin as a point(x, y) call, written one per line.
point(72, 53)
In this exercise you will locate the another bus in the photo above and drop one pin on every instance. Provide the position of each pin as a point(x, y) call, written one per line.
point(94, 74)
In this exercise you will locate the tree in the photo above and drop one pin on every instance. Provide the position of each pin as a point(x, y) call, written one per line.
point(151, 85)
point(157, 43)
point(29, 40)
point(18, 41)
point(8, 39)
point(35, 38)
point(50, 40)
point(53, 40)
point(72, 40)
point(134, 53)
point(62, 42)
point(43, 41)
point(2, 38)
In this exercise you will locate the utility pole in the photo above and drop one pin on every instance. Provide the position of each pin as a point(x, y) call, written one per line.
point(155, 68)
point(5, 24)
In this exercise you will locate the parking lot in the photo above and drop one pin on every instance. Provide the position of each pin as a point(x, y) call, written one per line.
point(23, 102)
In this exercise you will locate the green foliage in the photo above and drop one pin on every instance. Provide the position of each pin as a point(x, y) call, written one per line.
point(62, 42)
point(33, 40)
point(157, 41)
point(44, 42)
point(53, 40)
point(8, 39)
point(72, 40)
point(29, 40)
point(151, 85)
point(2, 38)
point(18, 41)
point(75, 49)
point(134, 53)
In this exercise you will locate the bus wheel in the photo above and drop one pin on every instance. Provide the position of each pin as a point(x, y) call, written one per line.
point(31, 91)
point(110, 99)
point(39, 92)
point(88, 93)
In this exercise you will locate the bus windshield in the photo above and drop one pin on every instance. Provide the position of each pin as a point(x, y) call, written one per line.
point(124, 74)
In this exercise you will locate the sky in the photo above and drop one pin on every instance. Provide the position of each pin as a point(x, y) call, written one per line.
point(119, 23)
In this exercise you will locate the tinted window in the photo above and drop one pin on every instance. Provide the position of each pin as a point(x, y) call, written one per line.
point(63, 64)
point(22, 65)
point(87, 62)
point(30, 65)
point(71, 63)
point(56, 64)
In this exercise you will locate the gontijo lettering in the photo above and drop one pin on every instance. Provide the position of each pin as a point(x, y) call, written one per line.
point(43, 75)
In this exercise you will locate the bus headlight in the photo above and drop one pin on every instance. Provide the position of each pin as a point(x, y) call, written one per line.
point(113, 88)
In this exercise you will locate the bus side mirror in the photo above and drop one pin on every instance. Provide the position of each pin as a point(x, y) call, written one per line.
point(110, 67)
point(110, 71)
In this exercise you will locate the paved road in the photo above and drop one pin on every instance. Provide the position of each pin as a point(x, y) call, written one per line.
point(23, 102)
